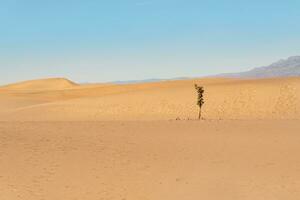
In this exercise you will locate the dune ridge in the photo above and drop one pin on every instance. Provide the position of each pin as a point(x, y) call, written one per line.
point(276, 98)
point(41, 84)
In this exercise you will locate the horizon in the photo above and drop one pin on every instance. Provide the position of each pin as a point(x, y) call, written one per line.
point(136, 40)
point(154, 79)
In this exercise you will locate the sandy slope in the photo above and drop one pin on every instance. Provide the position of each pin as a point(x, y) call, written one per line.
point(162, 160)
point(60, 99)
point(41, 84)
point(154, 157)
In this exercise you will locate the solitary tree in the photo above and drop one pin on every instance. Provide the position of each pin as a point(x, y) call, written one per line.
point(200, 101)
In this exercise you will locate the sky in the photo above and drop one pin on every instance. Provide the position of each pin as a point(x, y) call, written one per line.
point(111, 40)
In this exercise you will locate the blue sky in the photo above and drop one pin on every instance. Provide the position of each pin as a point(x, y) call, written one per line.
point(108, 40)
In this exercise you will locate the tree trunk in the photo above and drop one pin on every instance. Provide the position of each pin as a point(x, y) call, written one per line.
point(199, 114)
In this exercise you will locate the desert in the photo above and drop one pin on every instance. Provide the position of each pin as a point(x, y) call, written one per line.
point(59, 99)
point(149, 100)
point(63, 140)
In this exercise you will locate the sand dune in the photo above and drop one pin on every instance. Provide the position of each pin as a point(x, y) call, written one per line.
point(42, 84)
point(59, 140)
point(277, 98)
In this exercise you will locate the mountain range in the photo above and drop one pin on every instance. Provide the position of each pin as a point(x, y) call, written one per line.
point(282, 68)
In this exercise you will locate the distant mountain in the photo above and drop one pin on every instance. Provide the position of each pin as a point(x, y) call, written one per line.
point(282, 68)
point(148, 80)
point(138, 81)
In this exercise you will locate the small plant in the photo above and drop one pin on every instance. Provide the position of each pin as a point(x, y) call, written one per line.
point(200, 101)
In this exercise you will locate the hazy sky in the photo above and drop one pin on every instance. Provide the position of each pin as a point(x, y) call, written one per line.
point(108, 40)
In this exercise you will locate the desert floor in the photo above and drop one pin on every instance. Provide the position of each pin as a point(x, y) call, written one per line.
point(60, 140)
point(165, 160)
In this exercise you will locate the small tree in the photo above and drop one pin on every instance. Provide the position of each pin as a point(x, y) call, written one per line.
point(200, 101)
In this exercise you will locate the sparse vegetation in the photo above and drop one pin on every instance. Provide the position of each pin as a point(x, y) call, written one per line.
point(200, 100)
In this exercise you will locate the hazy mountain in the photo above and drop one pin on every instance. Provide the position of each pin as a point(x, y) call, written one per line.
point(281, 68)
point(148, 80)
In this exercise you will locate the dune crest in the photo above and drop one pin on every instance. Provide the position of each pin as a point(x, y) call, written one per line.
point(42, 84)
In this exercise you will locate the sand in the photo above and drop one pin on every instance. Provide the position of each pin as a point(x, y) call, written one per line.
point(167, 160)
point(277, 98)
point(61, 140)
point(41, 84)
